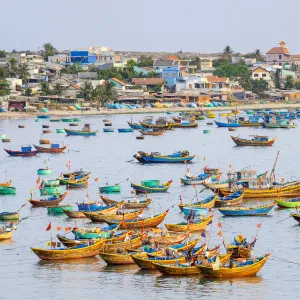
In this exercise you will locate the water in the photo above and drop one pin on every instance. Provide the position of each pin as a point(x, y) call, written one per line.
point(109, 157)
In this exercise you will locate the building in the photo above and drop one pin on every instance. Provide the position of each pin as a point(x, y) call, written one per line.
point(31, 59)
point(118, 83)
point(261, 73)
point(279, 55)
point(150, 84)
point(161, 64)
point(172, 75)
point(59, 58)
point(215, 82)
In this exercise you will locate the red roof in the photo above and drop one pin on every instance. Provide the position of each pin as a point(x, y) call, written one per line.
point(173, 57)
point(278, 50)
point(216, 79)
point(148, 81)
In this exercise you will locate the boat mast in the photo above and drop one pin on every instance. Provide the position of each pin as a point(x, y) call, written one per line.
point(272, 175)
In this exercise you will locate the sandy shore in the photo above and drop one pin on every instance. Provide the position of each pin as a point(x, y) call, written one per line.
point(65, 113)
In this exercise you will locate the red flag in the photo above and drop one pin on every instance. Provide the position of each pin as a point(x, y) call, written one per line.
point(220, 233)
point(96, 179)
point(40, 186)
point(58, 228)
point(219, 224)
point(259, 225)
point(38, 180)
point(49, 227)
point(194, 186)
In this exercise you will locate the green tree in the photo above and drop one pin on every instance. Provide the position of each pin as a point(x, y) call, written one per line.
point(297, 85)
point(49, 50)
point(87, 90)
point(259, 87)
point(226, 70)
point(130, 64)
point(276, 79)
point(2, 54)
point(219, 61)
point(196, 61)
point(145, 61)
point(227, 52)
point(13, 67)
point(3, 72)
point(105, 93)
point(45, 88)
point(289, 82)
point(23, 71)
point(72, 69)
point(28, 92)
point(243, 76)
point(4, 88)
point(58, 89)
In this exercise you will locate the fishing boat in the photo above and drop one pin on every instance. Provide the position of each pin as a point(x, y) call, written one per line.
point(85, 131)
point(46, 131)
point(232, 199)
point(288, 203)
point(140, 222)
point(125, 130)
point(6, 232)
point(108, 129)
point(77, 119)
point(239, 269)
point(74, 214)
point(9, 216)
point(109, 189)
point(186, 268)
point(197, 225)
point(158, 188)
point(25, 152)
point(7, 190)
point(257, 140)
point(140, 137)
point(6, 140)
point(80, 251)
point(168, 238)
point(43, 117)
point(160, 124)
point(94, 233)
point(184, 247)
point(216, 185)
point(21, 126)
point(59, 209)
point(54, 148)
point(55, 120)
point(196, 211)
point(45, 126)
point(77, 184)
point(108, 124)
point(44, 142)
point(208, 203)
point(103, 211)
point(117, 258)
point(45, 171)
point(221, 124)
point(93, 206)
point(128, 204)
point(50, 183)
point(246, 211)
point(66, 177)
point(48, 202)
point(67, 120)
point(51, 191)
point(240, 247)
point(73, 124)
point(60, 130)
point(135, 125)
point(152, 132)
point(283, 124)
point(296, 217)
point(156, 157)
point(194, 179)
point(185, 124)
point(7, 183)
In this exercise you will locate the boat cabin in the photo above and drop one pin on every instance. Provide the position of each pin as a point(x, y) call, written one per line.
point(259, 138)
point(248, 179)
point(86, 128)
point(26, 149)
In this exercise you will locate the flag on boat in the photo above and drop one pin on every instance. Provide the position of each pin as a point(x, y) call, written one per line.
point(49, 227)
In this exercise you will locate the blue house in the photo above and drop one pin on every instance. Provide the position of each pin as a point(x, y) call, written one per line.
point(81, 57)
point(171, 74)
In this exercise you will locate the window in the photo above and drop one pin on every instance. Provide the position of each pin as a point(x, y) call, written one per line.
point(255, 75)
point(264, 75)
point(280, 56)
point(167, 75)
point(173, 75)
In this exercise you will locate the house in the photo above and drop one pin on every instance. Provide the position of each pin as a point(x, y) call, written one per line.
point(118, 83)
point(279, 55)
point(154, 84)
point(261, 73)
point(172, 74)
point(215, 82)
point(31, 59)
point(206, 65)
point(59, 58)
point(13, 83)
point(161, 64)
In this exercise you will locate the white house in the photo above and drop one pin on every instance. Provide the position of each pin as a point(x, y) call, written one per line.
point(261, 73)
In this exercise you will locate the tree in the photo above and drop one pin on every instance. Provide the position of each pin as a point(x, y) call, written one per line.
point(2, 54)
point(23, 71)
point(219, 61)
point(289, 82)
point(105, 93)
point(28, 92)
point(58, 89)
point(49, 50)
point(225, 70)
point(196, 61)
point(3, 73)
point(259, 87)
point(276, 79)
point(243, 76)
point(72, 69)
point(87, 90)
point(297, 85)
point(4, 88)
point(145, 61)
point(12, 67)
point(130, 64)
point(45, 89)
point(227, 52)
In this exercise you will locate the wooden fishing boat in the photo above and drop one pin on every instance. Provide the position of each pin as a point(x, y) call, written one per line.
point(227, 125)
point(44, 142)
point(86, 131)
point(240, 251)
point(153, 132)
point(283, 124)
point(288, 203)
point(25, 152)
point(135, 125)
point(44, 171)
point(102, 212)
point(54, 148)
point(255, 141)
point(140, 137)
point(117, 258)
point(73, 124)
point(77, 119)
point(108, 189)
point(74, 214)
point(67, 120)
point(9, 216)
point(169, 238)
point(161, 188)
point(186, 269)
point(122, 130)
point(46, 131)
point(141, 223)
point(76, 252)
point(6, 140)
point(155, 157)
point(7, 190)
point(208, 203)
point(49, 202)
point(243, 269)
point(79, 177)
point(45, 126)
point(232, 199)
point(197, 225)
point(246, 211)
point(6, 235)
point(96, 207)
point(7, 183)
point(147, 263)
point(183, 247)
point(77, 184)
point(108, 129)
point(128, 204)
point(59, 209)
point(21, 126)
point(60, 130)
point(166, 126)
point(296, 217)
point(185, 125)
point(195, 211)
point(108, 124)
point(98, 217)
point(55, 120)
point(216, 185)
point(133, 243)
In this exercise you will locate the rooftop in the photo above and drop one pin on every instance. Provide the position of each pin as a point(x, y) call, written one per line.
point(148, 81)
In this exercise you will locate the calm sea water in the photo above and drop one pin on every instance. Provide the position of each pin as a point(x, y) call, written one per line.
point(109, 157)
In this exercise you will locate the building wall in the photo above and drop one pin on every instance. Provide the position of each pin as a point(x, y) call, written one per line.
point(279, 59)
point(171, 75)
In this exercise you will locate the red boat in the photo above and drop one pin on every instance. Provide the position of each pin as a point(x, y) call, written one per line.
point(50, 202)
point(25, 152)
point(54, 148)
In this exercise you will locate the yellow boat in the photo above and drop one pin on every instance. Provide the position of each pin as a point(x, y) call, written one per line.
point(200, 204)
point(170, 238)
point(236, 270)
point(184, 226)
point(8, 183)
point(69, 253)
point(6, 235)
point(184, 269)
point(184, 247)
point(117, 258)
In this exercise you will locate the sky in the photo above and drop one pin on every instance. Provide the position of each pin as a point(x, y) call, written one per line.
point(155, 25)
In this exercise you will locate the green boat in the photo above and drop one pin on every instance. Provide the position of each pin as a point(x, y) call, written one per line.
point(92, 235)
point(108, 189)
point(59, 209)
point(44, 171)
point(206, 131)
point(77, 120)
point(50, 191)
point(7, 190)
point(2, 136)
point(150, 183)
point(55, 120)
point(9, 216)
point(60, 130)
point(67, 120)
point(37, 120)
point(50, 183)
point(199, 118)
point(290, 203)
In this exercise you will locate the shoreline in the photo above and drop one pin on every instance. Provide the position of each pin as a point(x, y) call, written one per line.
point(94, 112)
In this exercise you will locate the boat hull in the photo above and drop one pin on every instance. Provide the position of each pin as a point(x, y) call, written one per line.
point(244, 142)
point(189, 227)
point(242, 212)
point(80, 133)
point(117, 259)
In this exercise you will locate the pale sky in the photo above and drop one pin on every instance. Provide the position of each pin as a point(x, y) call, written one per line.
point(154, 25)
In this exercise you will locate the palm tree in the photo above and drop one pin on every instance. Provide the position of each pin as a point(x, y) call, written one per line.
point(105, 93)
point(227, 52)
point(23, 72)
point(45, 89)
point(12, 67)
point(87, 90)
point(58, 89)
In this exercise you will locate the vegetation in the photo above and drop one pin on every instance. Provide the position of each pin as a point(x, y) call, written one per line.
point(255, 54)
point(49, 50)
point(219, 61)
point(27, 92)
point(2, 54)
point(196, 61)
point(297, 85)
point(23, 72)
point(13, 67)
point(72, 69)
point(145, 61)
point(4, 88)
point(259, 87)
point(45, 88)
point(227, 53)
point(276, 79)
point(58, 89)
point(289, 82)
point(105, 93)
point(3, 73)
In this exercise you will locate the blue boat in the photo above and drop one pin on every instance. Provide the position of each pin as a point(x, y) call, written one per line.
point(232, 199)
point(135, 125)
point(86, 131)
point(92, 206)
point(108, 129)
point(125, 129)
point(199, 179)
point(155, 157)
point(246, 211)
point(159, 188)
point(43, 117)
point(220, 124)
point(187, 210)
